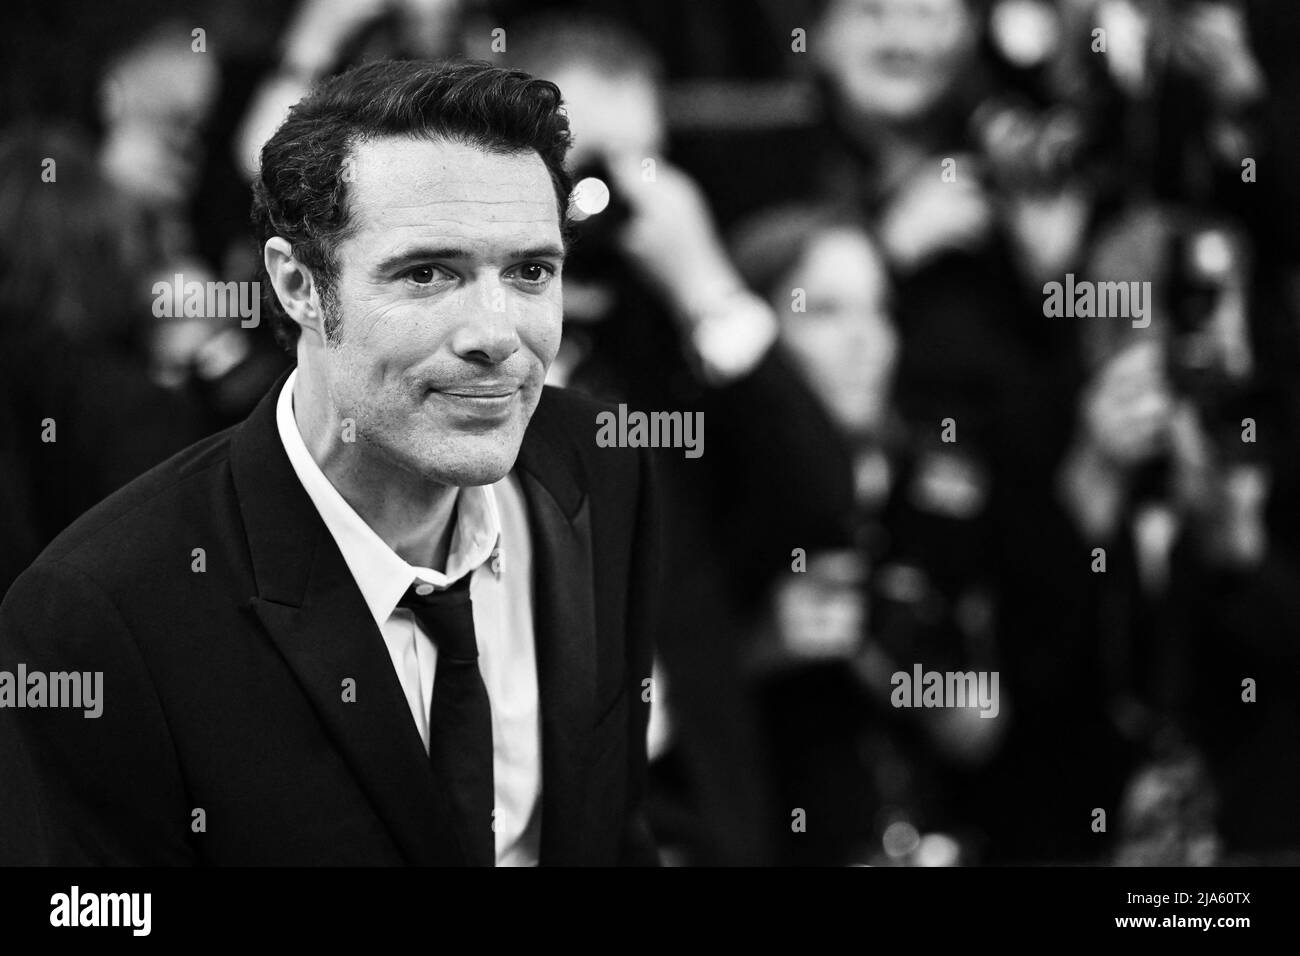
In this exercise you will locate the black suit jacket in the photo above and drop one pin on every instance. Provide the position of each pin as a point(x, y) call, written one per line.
point(223, 688)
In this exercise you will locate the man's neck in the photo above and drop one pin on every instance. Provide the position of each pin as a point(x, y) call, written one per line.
point(414, 517)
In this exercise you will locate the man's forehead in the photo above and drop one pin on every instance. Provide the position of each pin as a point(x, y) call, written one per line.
point(452, 188)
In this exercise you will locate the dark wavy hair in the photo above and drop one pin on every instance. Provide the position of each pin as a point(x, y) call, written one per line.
point(301, 191)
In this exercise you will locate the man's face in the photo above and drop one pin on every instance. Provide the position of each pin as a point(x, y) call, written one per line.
point(447, 304)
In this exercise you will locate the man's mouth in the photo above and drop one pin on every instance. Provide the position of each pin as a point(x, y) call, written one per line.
point(479, 391)
point(483, 402)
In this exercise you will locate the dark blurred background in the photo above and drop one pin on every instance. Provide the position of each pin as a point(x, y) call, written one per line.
point(829, 228)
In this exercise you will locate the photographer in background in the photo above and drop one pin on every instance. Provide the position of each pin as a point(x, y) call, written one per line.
point(879, 781)
point(1174, 470)
point(1177, 465)
point(657, 316)
point(907, 86)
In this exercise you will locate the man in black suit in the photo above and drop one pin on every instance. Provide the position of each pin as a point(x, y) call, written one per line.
point(377, 622)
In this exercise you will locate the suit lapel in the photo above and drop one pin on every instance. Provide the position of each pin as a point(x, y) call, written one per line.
point(564, 627)
point(309, 603)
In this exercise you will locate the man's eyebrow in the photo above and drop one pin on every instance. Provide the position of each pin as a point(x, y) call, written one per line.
point(453, 253)
point(546, 251)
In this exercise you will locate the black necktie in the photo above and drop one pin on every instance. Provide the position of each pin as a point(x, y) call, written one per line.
point(460, 718)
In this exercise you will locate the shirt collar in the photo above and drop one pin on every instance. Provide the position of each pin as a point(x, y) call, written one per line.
point(381, 574)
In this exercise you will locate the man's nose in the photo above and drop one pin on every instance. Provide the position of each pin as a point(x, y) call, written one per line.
point(487, 332)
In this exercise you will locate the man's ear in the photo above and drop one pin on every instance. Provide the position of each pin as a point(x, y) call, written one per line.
point(293, 284)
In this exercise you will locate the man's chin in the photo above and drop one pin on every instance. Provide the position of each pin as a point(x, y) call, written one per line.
point(470, 479)
point(446, 450)
point(463, 471)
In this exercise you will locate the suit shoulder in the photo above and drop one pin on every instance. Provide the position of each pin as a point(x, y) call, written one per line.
point(575, 409)
point(560, 449)
point(572, 419)
point(145, 509)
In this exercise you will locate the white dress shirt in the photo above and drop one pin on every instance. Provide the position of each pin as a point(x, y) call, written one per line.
point(491, 542)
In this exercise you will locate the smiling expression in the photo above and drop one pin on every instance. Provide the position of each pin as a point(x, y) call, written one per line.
point(446, 305)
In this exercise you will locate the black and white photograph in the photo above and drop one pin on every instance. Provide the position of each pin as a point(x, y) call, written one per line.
point(786, 435)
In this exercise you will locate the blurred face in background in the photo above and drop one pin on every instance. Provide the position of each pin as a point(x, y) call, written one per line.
point(612, 116)
point(894, 59)
point(155, 101)
point(430, 25)
point(844, 342)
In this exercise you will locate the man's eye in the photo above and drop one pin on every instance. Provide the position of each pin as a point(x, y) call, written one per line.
point(535, 273)
point(422, 275)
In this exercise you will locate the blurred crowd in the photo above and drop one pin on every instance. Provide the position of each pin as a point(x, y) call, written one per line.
point(830, 226)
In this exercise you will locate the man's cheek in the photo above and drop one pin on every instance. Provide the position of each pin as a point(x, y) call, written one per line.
point(372, 313)
point(552, 346)
point(543, 329)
